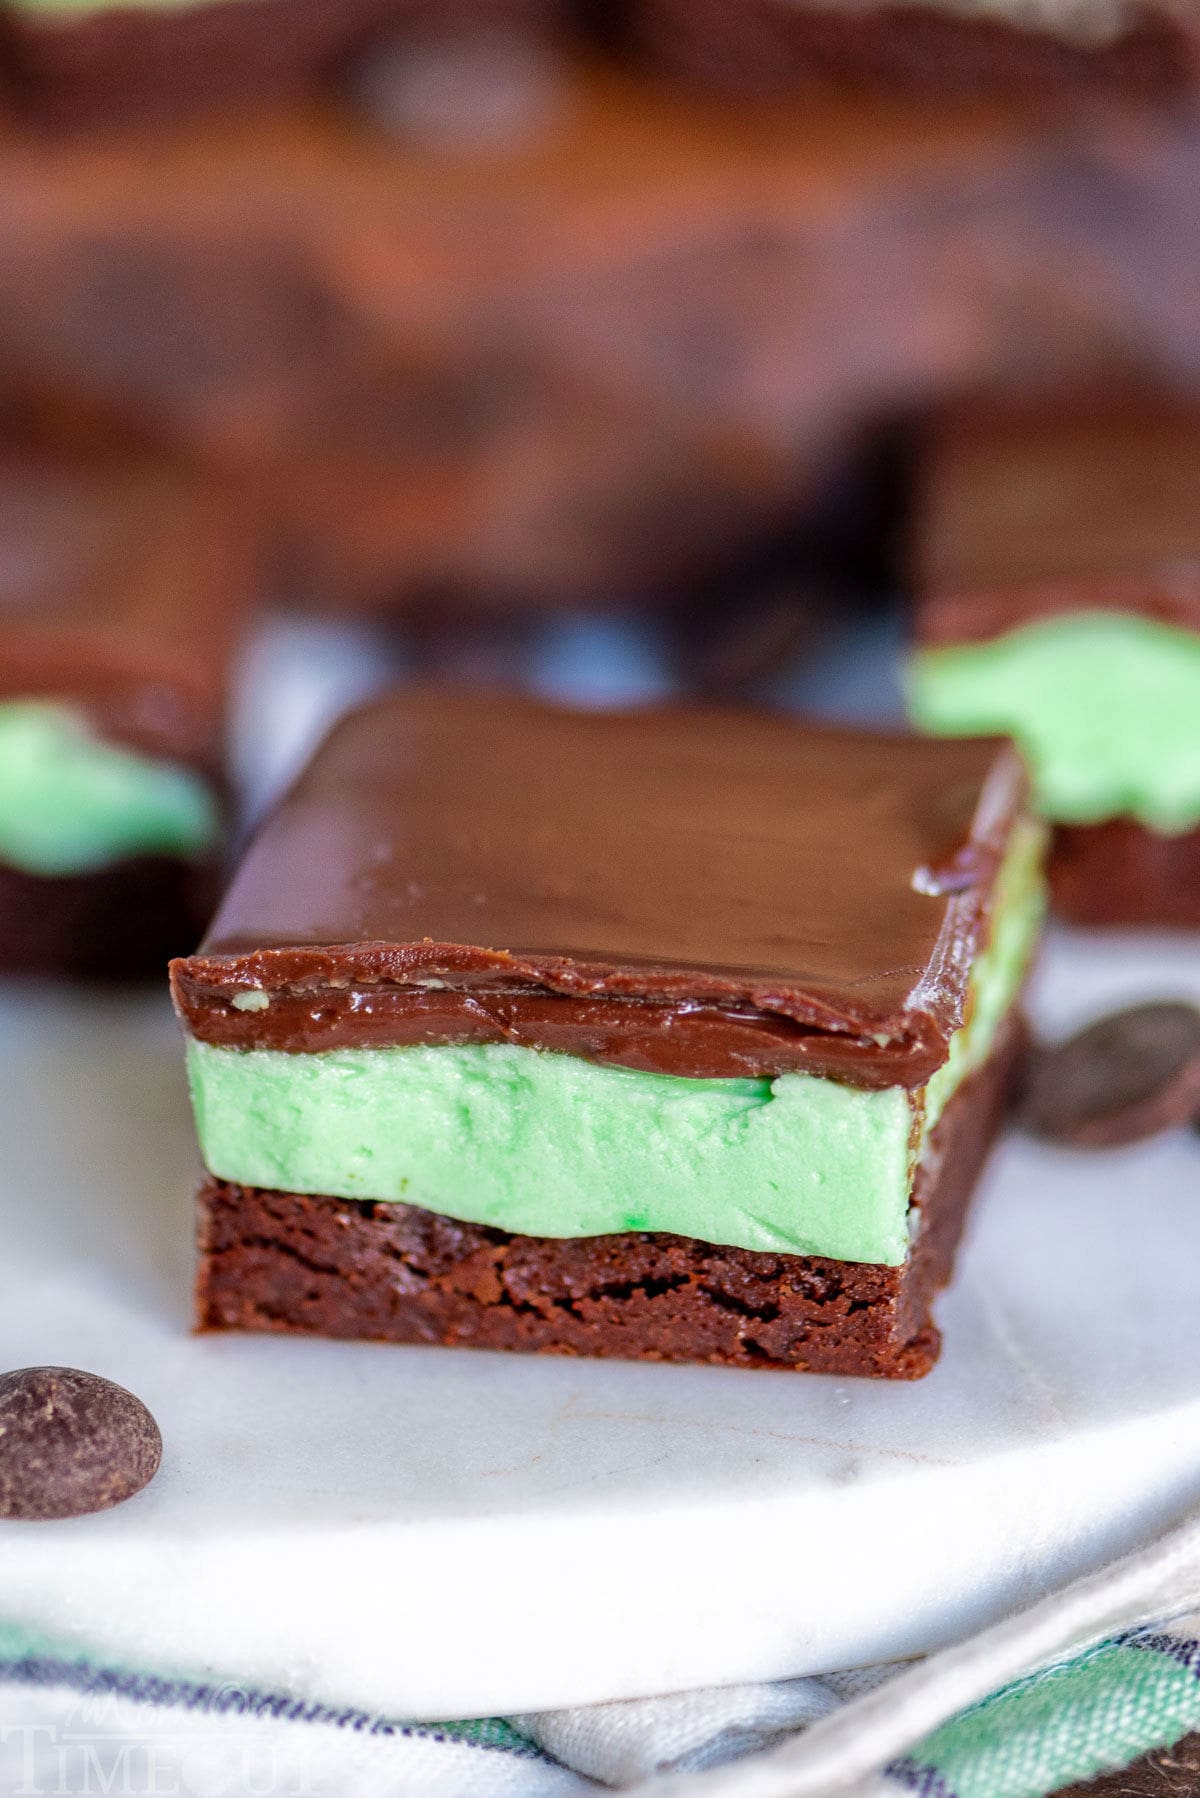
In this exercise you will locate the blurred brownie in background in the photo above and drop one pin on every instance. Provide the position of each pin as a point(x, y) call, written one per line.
point(1057, 564)
point(1144, 48)
point(596, 349)
point(122, 595)
point(83, 62)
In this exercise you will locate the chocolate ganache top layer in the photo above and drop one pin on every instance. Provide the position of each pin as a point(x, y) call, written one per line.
point(123, 592)
point(688, 890)
point(1027, 512)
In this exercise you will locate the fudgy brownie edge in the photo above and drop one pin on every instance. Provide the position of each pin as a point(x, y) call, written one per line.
point(119, 922)
point(1121, 873)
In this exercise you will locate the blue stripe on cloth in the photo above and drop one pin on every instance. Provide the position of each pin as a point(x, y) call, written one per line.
point(917, 1776)
point(1184, 1650)
point(490, 1733)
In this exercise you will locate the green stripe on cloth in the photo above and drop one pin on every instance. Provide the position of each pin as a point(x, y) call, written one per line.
point(1100, 1711)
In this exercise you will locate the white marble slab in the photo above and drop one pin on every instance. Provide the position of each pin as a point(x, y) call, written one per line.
point(446, 1533)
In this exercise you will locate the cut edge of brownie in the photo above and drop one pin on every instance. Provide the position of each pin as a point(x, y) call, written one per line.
point(122, 921)
point(287, 1262)
point(1123, 874)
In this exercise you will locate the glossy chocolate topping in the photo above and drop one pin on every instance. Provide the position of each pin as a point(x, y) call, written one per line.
point(122, 592)
point(1026, 514)
point(692, 891)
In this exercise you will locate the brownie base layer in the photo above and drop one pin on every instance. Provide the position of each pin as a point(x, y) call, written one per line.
point(769, 46)
point(1123, 874)
point(338, 1267)
point(166, 62)
point(122, 922)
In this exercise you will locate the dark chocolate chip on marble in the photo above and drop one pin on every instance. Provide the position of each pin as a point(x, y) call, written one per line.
point(1123, 1078)
point(70, 1443)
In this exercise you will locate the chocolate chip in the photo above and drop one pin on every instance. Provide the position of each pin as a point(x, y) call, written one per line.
point(70, 1443)
point(1123, 1078)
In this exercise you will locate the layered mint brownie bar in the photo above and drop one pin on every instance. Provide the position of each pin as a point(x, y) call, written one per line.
point(678, 1034)
point(122, 594)
point(1058, 576)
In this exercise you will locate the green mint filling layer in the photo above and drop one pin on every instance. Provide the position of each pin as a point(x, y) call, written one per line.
point(70, 803)
point(1105, 705)
point(1001, 967)
point(549, 1145)
point(72, 9)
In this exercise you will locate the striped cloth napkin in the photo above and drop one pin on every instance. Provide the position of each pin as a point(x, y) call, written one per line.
point(1085, 1681)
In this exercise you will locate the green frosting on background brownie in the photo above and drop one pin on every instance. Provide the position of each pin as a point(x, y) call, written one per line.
point(1105, 705)
point(550, 1145)
point(71, 9)
point(70, 803)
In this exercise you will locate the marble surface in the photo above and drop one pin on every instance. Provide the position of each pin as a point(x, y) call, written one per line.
point(447, 1533)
